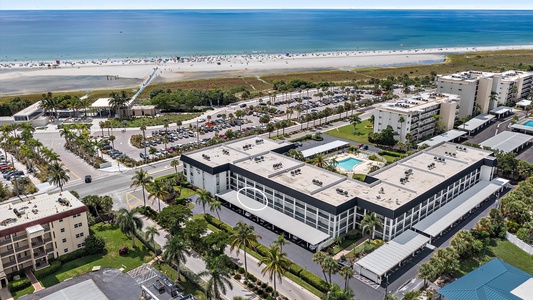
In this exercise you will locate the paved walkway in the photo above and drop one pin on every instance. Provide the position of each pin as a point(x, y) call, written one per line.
point(5, 294)
point(36, 284)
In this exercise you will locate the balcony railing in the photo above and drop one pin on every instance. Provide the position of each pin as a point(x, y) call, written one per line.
point(39, 254)
point(5, 242)
point(37, 242)
point(49, 250)
point(23, 248)
point(9, 264)
point(41, 266)
point(19, 237)
point(24, 258)
point(7, 252)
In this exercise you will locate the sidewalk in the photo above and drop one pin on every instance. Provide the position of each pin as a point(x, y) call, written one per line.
point(5, 294)
point(36, 284)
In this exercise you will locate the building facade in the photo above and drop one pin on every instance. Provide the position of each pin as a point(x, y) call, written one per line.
point(44, 227)
point(483, 91)
point(327, 203)
point(416, 115)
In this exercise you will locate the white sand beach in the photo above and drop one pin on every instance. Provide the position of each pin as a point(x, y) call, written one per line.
point(36, 77)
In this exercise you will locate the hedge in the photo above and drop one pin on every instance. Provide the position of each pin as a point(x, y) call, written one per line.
point(140, 236)
point(72, 255)
point(54, 267)
point(148, 211)
point(15, 286)
point(390, 153)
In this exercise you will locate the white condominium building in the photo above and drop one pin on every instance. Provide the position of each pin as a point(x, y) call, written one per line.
point(476, 88)
point(314, 205)
point(36, 230)
point(416, 115)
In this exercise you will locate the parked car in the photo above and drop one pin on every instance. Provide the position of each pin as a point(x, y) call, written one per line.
point(88, 179)
point(242, 105)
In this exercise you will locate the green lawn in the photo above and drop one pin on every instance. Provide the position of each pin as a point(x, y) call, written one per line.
point(23, 292)
point(502, 249)
point(185, 192)
point(114, 239)
point(153, 121)
point(346, 132)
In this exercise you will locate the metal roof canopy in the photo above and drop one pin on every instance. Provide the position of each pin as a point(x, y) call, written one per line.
point(101, 102)
point(452, 211)
point(301, 230)
point(85, 290)
point(524, 102)
point(507, 141)
point(476, 122)
point(324, 148)
point(393, 253)
point(445, 137)
point(500, 110)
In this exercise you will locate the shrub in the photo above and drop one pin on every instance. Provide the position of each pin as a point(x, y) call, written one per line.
point(54, 267)
point(269, 289)
point(251, 278)
point(237, 276)
point(373, 157)
point(245, 282)
point(241, 270)
point(260, 292)
point(314, 280)
point(123, 250)
point(251, 285)
point(512, 226)
point(263, 285)
point(390, 153)
point(15, 286)
point(269, 297)
point(148, 211)
point(72, 255)
point(94, 244)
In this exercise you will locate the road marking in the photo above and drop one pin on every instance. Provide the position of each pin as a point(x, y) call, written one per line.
point(72, 172)
point(130, 196)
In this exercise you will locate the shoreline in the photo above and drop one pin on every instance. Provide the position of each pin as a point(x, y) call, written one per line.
point(36, 77)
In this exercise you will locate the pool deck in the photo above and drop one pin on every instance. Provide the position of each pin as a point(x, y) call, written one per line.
point(360, 168)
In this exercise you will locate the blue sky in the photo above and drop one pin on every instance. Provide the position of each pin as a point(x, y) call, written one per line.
point(221, 4)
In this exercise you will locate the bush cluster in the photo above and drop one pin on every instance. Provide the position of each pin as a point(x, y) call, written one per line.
point(390, 153)
point(123, 250)
point(54, 267)
point(15, 286)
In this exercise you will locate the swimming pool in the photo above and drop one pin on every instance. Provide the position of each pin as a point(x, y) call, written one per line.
point(348, 163)
point(528, 123)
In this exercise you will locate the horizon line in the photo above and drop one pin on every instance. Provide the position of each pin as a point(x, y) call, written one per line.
point(276, 8)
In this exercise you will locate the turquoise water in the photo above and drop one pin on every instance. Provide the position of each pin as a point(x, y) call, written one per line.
point(109, 34)
point(348, 163)
point(529, 123)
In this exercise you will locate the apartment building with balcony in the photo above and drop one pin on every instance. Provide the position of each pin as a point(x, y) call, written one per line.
point(36, 230)
point(476, 89)
point(416, 115)
point(313, 205)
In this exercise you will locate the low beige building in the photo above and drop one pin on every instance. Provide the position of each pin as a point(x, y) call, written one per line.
point(143, 110)
point(36, 230)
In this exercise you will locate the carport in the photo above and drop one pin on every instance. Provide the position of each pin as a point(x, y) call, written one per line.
point(476, 123)
point(450, 213)
point(501, 111)
point(326, 148)
point(310, 235)
point(508, 141)
point(449, 136)
point(378, 264)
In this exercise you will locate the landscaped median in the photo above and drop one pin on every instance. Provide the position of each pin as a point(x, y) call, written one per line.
point(296, 273)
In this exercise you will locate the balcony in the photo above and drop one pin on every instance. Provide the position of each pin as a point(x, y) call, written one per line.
point(41, 265)
point(49, 250)
point(24, 258)
point(9, 264)
point(5, 241)
point(6, 253)
point(23, 248)
point(39, 254)
point(37, 242)
point(19, 237)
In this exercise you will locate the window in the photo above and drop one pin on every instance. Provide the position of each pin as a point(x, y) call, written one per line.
point(81, 245)
point(60, 220)
point(62, 229)
point(65, 250)
point(78, 225)
point(76, 215)
point(64, 240)
point(79, 235)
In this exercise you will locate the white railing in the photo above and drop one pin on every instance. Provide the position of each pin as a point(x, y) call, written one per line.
point(519, 243)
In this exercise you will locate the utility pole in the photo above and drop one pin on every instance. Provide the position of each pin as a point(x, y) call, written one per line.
point(16, 179)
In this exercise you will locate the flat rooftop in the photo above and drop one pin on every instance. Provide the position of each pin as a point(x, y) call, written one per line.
point(233, 151)
point(507, 141)
point(444, 137)
point(467, 76)
point(35, 208)
point(29, 110)
point(101, 102)
point(419, 102)
point(515, 75)
point(476, 122)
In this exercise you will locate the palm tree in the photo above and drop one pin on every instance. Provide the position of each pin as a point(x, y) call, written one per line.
point(336, 293)
point(141, 179)
point(204, 197)
point(150, 234)
point(58, 175)
point(112, 138)
point(280, 241)
point(174, 252)
point(346, 273)
point(118, 101)
point(369, 224)
point(276, 263)
point(215, 206)
point(158, 190)
point(175, 163)
point(319, 258)
point(319, 160)
point(129, 223)
point(330, 266)
point(220, 278)
point(426, 271)
point(243, 237)
point(354, 121)
point(143, 128)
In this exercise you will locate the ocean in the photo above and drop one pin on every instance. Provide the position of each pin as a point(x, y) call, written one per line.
point(75, 35)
